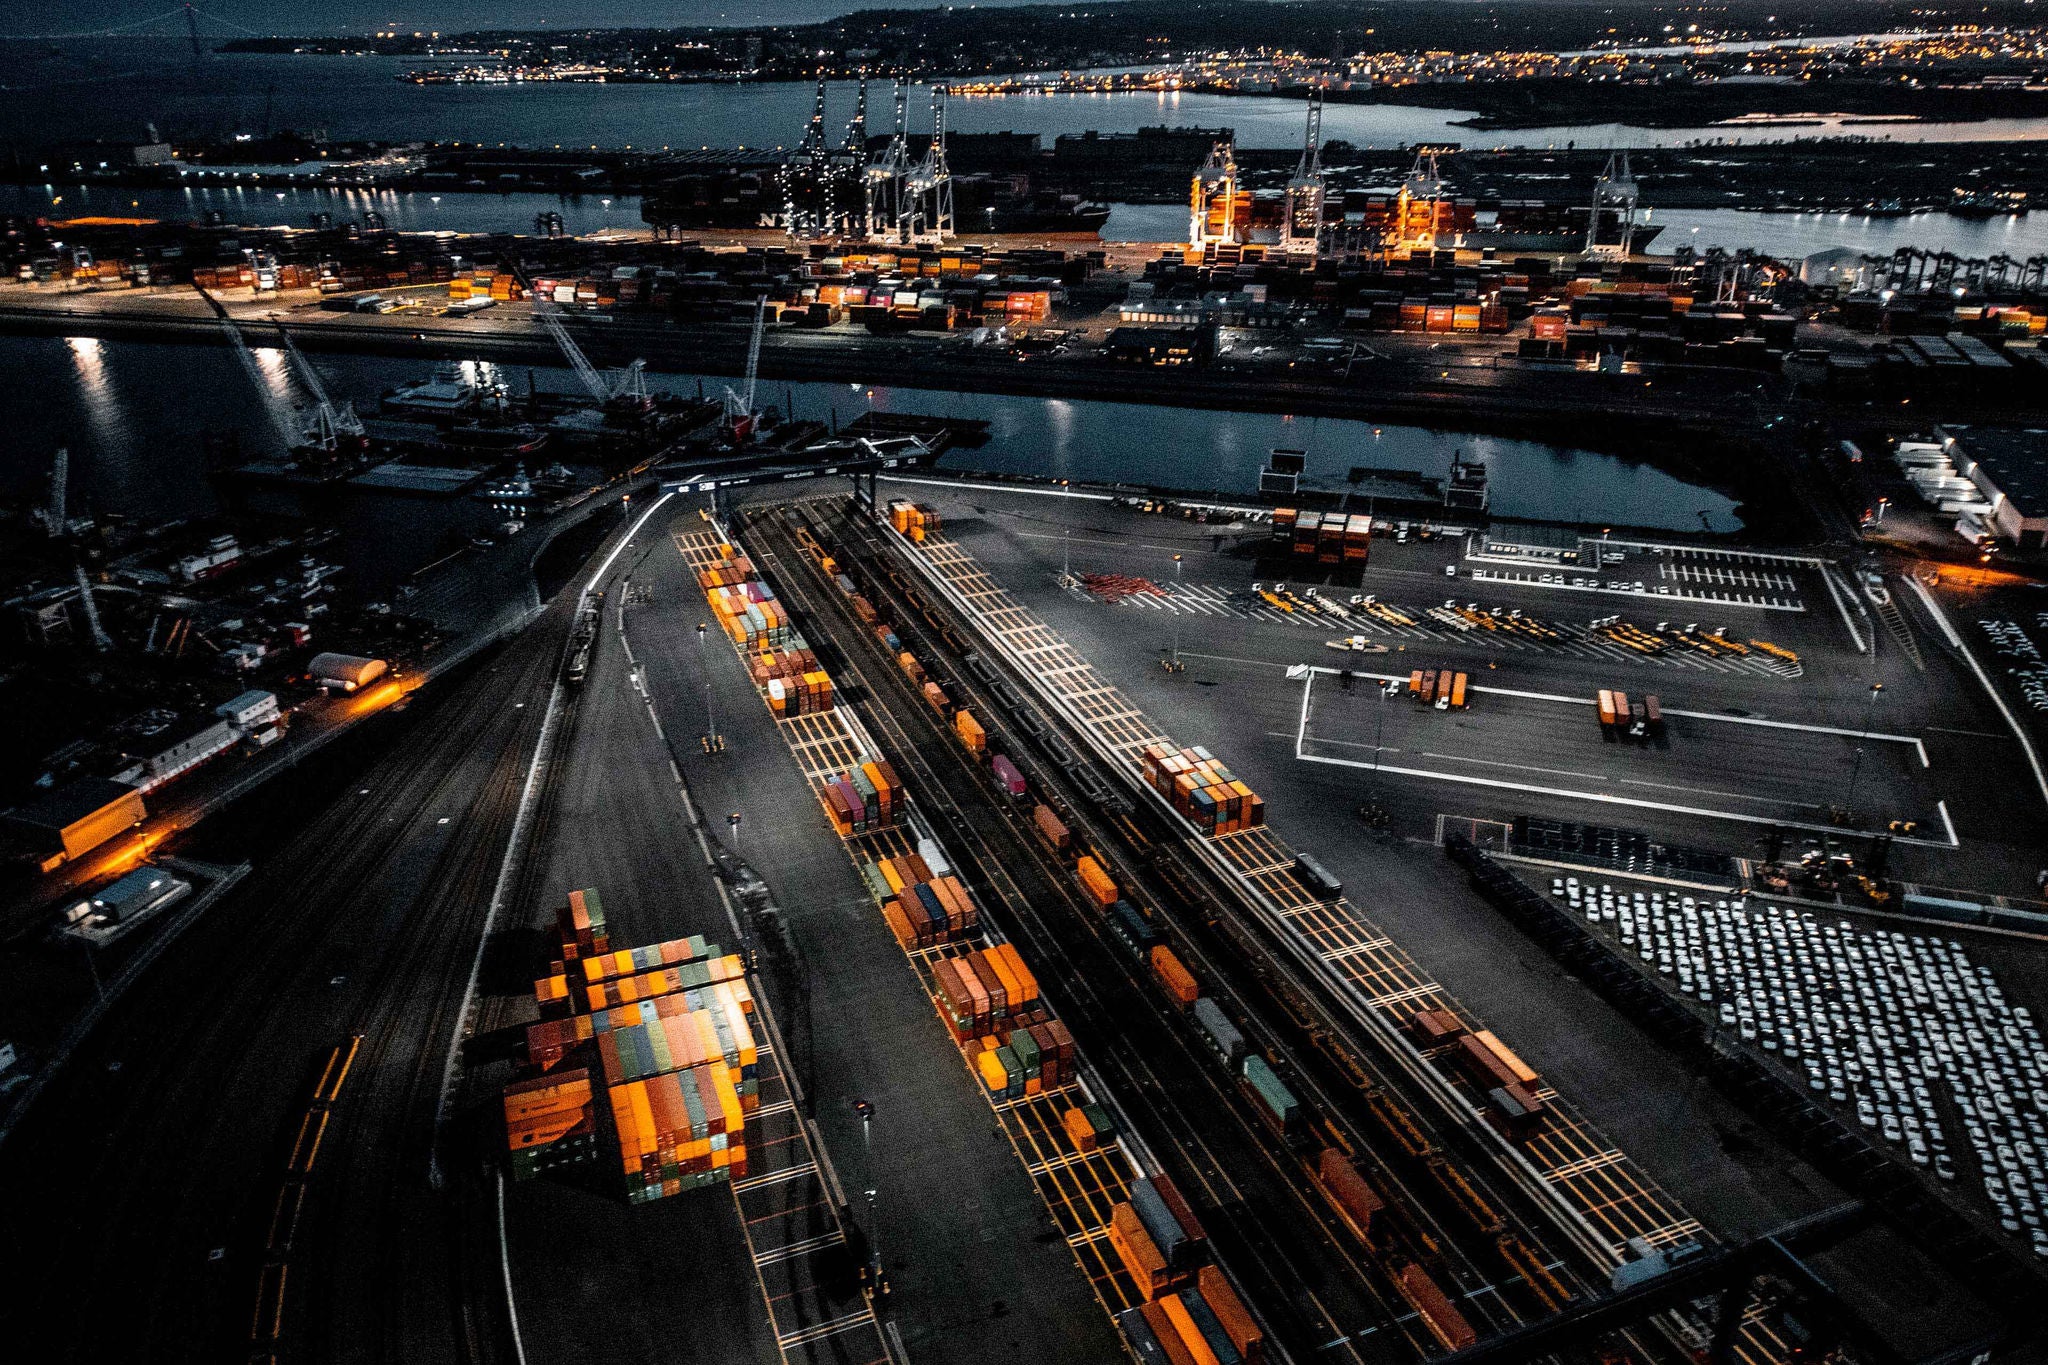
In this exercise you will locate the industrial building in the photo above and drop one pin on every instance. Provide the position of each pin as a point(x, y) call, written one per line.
point(2009, 465)
point(77, 818)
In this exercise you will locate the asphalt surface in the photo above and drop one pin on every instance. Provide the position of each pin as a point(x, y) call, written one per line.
point(976, 1270)
point(1781, 775)
point(143, 1187)
point(1726, 1169)
point(1318, 1290)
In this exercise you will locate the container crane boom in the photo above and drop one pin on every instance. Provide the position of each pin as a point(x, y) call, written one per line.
point(585, 371)
point(740, 407)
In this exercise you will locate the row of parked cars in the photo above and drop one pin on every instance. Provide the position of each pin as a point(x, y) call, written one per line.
point(1904, 1028)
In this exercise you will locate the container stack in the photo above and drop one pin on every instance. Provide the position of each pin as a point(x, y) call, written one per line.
point(678, 1131)
point(981, 992)
point(550, 1124)
point(1205, 1321)
point(864, 799)
point(580, 926)
point(616, 978)
point(1028, 1060)
point(922, 909)
point(752, 616)
point(1324, 538)
point(913, 520)
point(671, 1027)
point(1202, 789)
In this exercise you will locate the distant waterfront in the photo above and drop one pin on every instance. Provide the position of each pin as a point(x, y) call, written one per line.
point(113, 89)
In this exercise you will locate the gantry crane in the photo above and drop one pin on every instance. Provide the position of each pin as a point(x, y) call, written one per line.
point(627, 386)
point(740, 417)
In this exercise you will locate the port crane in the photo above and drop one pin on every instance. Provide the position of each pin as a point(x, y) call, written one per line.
point(325, 428)
point(929, 186)
point(628, 385)
point(1614, 196)
point(1306, 191)
point(329, 423)
point(55, 519)
point(885, 177)
point(740, 417)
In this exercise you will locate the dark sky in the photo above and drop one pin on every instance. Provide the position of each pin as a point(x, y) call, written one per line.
point(54, 17)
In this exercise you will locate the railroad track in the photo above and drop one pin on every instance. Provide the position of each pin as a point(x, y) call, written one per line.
point(1593, 1204)
point(212, 1046)
point(937, 765)
point(1496, 1259)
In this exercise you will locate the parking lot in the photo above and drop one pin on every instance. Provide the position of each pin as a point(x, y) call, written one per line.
point(1911, 1034)
point(1807, 698)
point(1703, 765)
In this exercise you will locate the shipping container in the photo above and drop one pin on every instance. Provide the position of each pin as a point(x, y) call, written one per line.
point(1178, 982)
point(1274, 1099)
point(1355, 1200)
point(970, 732)
point(1007, 777)
point(1139, 1254)
point(1139, 1339)
point(1166, 1334)
point(1607, 711)
point(1050, 828)
point(1216, 1026)
point(1438, 1314)
point(1131, 930)
point(1317, 878)
point(1096, 882)
point(1244, 1332)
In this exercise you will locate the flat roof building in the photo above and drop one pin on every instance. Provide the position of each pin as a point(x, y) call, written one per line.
point(78, 817)
point(2009, 465)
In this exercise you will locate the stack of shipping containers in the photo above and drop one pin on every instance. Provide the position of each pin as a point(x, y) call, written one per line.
point(670, 1028)
point(1202, 789)
point(1323, 538)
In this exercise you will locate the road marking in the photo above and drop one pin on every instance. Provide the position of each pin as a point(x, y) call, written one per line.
point(791, 1250)
point(1941, 619)
point(1605, 798)
point(505, 1263)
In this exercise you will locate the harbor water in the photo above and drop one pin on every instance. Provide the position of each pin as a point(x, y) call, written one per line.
point(135, 415)
point(1788, 236)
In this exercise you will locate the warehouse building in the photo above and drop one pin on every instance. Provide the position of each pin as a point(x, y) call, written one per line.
point(76, 818)
point(2009, 465)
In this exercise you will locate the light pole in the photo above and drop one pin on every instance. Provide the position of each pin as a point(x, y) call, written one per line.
point(712, 743)
point(1176, 665)
point(877, 1288)
point(1856, 768)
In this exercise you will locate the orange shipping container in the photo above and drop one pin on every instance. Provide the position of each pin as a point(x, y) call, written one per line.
point(1190, 1335)
point(1096, 882)
point(1139, 1253)
point(1177, 979)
